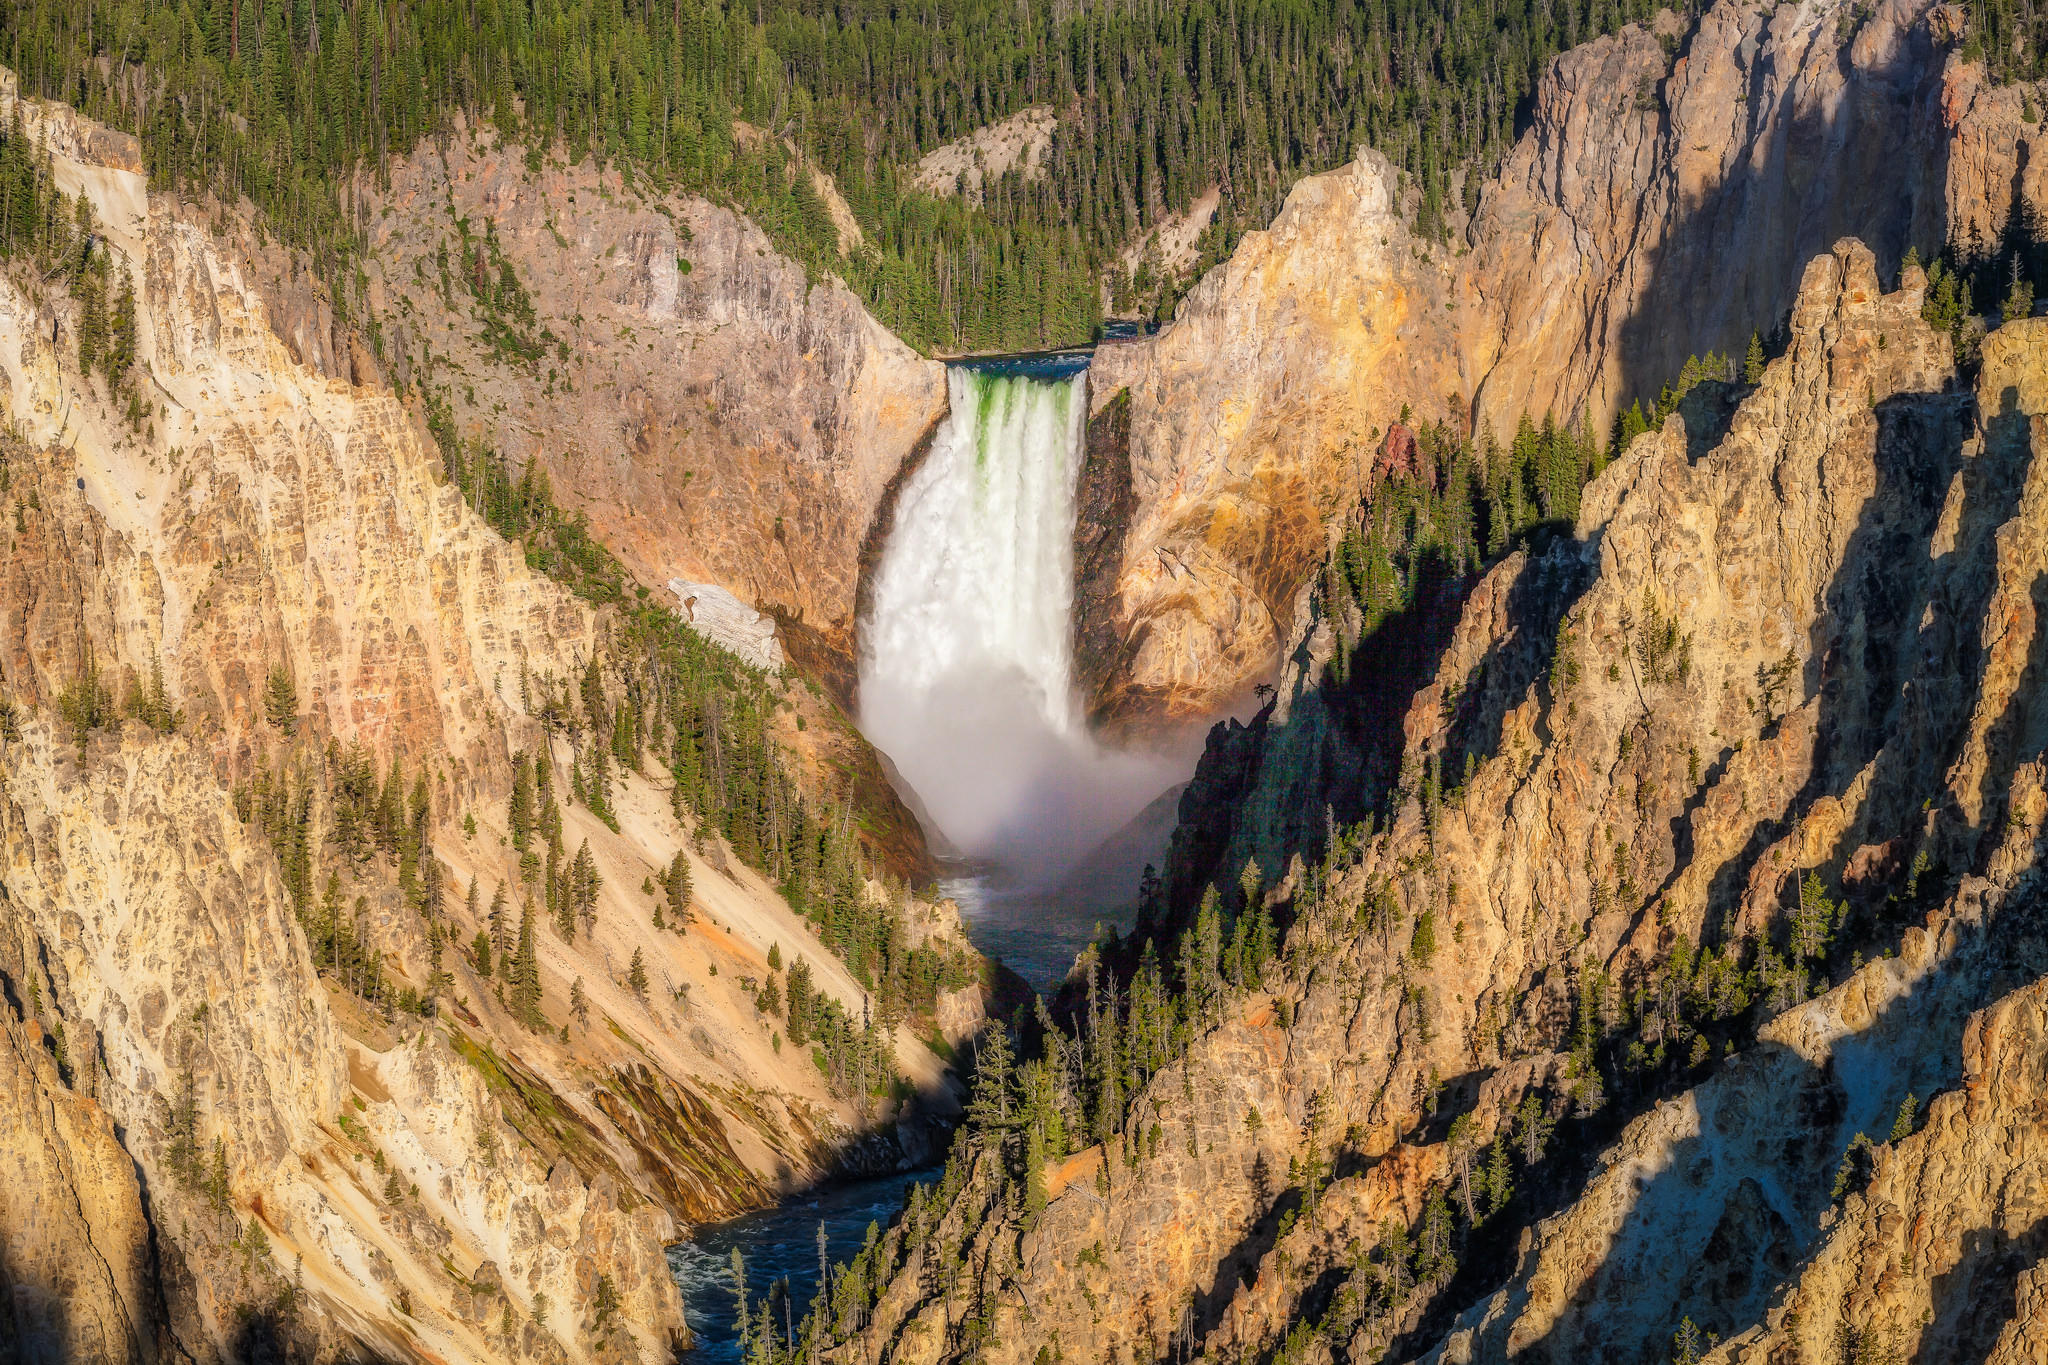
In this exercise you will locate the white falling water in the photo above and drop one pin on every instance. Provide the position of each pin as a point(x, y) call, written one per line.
point(967, 662)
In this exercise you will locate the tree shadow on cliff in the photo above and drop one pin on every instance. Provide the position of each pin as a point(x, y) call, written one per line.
point(2019, 734)
point(1723, 1219)
point(1328, 765)
point(1894, 654)
point(35, 1317)
point(1559, 571)
point(1898, 662)
point(1897, 666)
point(1975, 1300)
point(272, 1335)
point(1731, 257)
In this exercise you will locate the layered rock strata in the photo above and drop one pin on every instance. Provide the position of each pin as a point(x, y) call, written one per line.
point(219, 1152)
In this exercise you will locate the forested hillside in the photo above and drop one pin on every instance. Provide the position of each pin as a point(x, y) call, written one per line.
point(281, 100)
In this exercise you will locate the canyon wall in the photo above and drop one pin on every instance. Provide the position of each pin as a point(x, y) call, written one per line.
point(1670, 188)
point(719, 414)
point(220, 1151)
point(1789, 654)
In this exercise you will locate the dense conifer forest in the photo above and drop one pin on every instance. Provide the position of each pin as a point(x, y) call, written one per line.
point(285, 101)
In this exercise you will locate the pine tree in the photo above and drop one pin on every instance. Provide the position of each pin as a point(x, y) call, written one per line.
point(1396, 1261)
point(1422, 944)
point(86, 703)
point(604, 1306)
point(989, 1109)
point(1435, 1261)
point(1902, 1126)
point(1813, 923)
point(564, 901)
point(799, 993)
point(636, 975)
point(2019, 298)
point(1753, 362)
point(1462, 1141)
point(217, 1184)
point(1532, 1130)
point(579, 1003)
point(120, 346)
point(480, 951)
point(679, 889)
point(182, 1153)
point(500, 924)
point(596, 710)
point(1687, 1345)
point(525, 973)
point(1500, 1181)
point(519, 814)
point(1630, 425)
point(92, 319)
point(584, 883)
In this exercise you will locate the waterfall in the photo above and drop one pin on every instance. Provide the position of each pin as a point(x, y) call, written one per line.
point(967, 655)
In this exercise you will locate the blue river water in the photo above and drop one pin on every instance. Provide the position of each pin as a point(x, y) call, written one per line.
point(778, 1243)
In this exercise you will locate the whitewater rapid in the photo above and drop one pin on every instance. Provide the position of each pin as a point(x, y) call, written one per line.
point(967, 656)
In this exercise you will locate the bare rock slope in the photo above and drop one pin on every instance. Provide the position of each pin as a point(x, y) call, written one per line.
point(212, 1149)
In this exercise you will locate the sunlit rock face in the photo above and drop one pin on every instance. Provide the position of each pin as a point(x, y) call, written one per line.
point(1663, 203)
point(213, 1150)
point(1855, 524)
point(718, 415)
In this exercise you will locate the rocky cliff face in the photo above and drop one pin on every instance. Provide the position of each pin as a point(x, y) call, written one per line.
point(75, 1259)
point(1944, 1247)
point(1663, 203)
point(216, 1151)
point(719, 415)
point(1788, 656)
point(1250, 421)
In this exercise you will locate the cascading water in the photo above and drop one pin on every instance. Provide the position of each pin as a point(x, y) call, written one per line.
point(967, 668)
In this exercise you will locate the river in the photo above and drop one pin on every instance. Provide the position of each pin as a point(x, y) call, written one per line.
point(778, 1243)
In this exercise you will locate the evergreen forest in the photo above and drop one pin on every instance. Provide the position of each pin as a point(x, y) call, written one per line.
point(296, 104)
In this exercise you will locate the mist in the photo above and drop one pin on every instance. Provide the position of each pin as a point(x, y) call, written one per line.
point(1004, 786)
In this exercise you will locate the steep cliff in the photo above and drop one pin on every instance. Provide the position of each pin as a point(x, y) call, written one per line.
point(718, 414)
point(234, 588)
point(1715, 825)
point(1671, 186)
point(75, 1259)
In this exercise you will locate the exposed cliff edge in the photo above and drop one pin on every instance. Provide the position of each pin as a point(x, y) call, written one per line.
point(1670, 189)
point(235, 587)
point(1715, 837)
